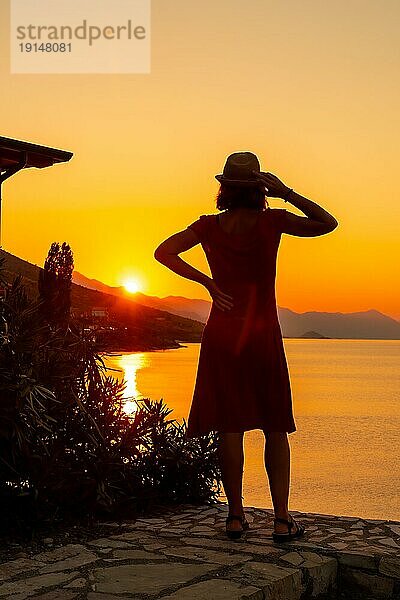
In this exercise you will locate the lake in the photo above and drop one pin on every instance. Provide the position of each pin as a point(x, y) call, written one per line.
point(346, 405)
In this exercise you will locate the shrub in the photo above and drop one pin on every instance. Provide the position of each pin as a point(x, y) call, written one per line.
point(66, 445)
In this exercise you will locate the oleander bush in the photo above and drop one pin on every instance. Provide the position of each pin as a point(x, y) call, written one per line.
point(67, 448)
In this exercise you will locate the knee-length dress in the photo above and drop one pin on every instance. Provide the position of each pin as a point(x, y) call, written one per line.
point(242, 379)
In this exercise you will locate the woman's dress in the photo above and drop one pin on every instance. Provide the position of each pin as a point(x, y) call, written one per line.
point(242, 379)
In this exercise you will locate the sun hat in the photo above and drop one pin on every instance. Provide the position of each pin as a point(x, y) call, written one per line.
point(238, 170)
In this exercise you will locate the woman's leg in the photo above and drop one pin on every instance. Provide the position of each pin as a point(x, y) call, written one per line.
point(277, 465)
point(231, 460)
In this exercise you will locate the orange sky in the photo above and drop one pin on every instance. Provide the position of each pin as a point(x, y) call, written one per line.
point(311, 87)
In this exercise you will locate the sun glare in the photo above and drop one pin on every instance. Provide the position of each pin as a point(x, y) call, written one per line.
point(132, 285)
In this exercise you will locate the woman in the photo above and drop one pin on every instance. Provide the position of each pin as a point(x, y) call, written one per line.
point(242, 378)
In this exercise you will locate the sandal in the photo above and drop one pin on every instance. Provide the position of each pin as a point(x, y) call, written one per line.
point(235, 534)
point(285, 537)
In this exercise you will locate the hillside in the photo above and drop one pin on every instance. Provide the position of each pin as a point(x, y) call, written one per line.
point(192, 308)
point(146, 327)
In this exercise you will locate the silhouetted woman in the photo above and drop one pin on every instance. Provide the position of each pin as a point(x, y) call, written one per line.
point(242, 378)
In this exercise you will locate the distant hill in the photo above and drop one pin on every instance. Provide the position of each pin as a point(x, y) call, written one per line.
point(314, 335)
point(370, 324)
point(148, 328)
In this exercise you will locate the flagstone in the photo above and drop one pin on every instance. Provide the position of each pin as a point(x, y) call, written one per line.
point(61, 553)
point(110, 543)
point(27, 587)
point(19, 567)
point(205, 554)
point(134, 554)
point(185, 553)
point(216, 589)
point(390, 565)
point(77, 583)
point(147, 579)
point(280, 583)
point(79, 560)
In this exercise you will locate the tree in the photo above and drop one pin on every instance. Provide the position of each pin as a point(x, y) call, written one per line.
point(55, 284)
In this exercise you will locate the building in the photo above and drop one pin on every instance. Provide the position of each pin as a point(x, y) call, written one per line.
point(99, 312)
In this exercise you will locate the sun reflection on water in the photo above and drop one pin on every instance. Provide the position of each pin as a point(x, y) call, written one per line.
point(130, 364)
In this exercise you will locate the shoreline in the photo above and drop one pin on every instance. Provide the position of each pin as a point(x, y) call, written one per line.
point(183, 344)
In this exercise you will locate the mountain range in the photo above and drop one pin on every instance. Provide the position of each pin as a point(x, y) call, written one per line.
point(164, 322)
point(370, 324)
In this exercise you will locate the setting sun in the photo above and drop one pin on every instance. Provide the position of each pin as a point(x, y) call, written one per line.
point(132, 285)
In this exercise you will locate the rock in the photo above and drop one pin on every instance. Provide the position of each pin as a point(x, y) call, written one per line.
point(96, 596)
point(203, 529)
point(226, 544)
point(134, 554)
point(367, 583)
point(294, 558)
point(149, 578)
point(109, 543)
point(299, 544)
point(206, 554)
point(338, 545)
point(151, 521)
point(322, 571)
point(262, 534)
point(389, 542)
point(207, 513)
point(20, 566)
point(216, 589)
point(28, 587)
point(358, 525)
point(77, 584)
point(375, 521)
point(74, 562)
point(279, 583)
point(390, 565)
point(133, 536)
point(174, 530)
point(60, 553)
point(395, 529)
point(58, 595)
point(357, 559)
point(156, 546)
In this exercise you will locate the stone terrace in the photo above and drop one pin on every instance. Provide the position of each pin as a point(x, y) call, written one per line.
point(183, 553)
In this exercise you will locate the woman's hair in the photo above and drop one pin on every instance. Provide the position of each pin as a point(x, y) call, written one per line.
point(232, 196)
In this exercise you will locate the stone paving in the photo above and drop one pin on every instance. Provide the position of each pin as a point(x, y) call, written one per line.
point(183, 553)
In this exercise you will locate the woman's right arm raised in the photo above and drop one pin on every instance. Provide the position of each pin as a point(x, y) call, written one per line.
point(317, 222)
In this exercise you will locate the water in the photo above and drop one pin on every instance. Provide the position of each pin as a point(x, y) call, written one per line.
point(346, 404)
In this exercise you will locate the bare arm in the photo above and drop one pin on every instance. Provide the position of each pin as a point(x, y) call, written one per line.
point(317, 222)
point(167, 254)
